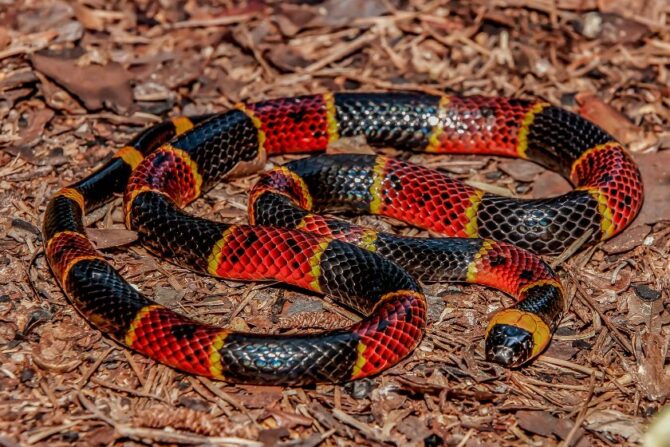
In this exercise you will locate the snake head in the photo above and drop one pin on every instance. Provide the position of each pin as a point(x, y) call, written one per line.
point(509, 346)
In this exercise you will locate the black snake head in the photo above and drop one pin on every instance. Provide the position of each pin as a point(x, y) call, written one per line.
point(508, 345)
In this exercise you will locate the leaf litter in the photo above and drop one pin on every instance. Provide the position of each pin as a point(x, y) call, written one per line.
point(79, 79)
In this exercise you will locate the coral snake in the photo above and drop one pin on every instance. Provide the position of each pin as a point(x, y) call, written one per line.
point(169, 165)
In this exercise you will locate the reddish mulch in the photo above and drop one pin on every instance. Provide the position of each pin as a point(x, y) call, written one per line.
point(78, 79)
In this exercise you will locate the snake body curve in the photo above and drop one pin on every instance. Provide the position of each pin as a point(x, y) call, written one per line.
point(171, 164)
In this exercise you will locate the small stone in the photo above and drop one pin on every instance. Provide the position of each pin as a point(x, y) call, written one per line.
point(167, 296)
point(70, 436)
point(649, 410)
point(646, 293)
point(359, 389)
point(591, 25)
point(27, 375)
point(433, 441)
point(304, 305)
point(568, 99)
point(436, 306)
point(522, 188)
point(542, 67)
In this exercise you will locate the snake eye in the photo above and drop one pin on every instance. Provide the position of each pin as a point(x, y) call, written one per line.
point(508, 345)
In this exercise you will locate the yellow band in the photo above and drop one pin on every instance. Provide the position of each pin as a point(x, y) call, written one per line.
point(130, 337)
point(434, 142)
point(72, 194)
point(315, 263)
point(215, 359)
point(376, 187)
point(526, 321)
point(528, 119)
point(215, 256)
point(587, 153)
point(257, 124)
point(473, 267)
point(130, 155)
point(472, 227)
point(541, 282)
point(331, 117)
point(182, 124)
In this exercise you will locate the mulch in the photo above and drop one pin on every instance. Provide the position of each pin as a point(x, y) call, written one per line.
point(78, 79)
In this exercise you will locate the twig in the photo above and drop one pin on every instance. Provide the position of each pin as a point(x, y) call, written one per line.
point(47, 432)
point(570, 365)
point(487, 187)
point(312, 441)
point(341, 311)
point(369, 432)
point(90, 406)
point(158, 435)
point(249, 295)
point(227, 398)
point(200, 389)
point(179, 437)
point(85, 378)
point(38, 292)
point(341, 52)
point(123, 389)
point(466, 438)
point(608, 323)
point(516, 431)
point(134, 367)
point(572, 249)
point(203, 23)
point(581, 417)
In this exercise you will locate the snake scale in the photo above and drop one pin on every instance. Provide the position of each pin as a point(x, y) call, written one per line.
point(494, 241)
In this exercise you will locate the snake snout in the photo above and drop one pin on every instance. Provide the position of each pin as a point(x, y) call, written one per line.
point(508, 345)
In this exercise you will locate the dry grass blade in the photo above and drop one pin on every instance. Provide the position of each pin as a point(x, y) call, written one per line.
point(176, 437)
point(341, 51)
point(371, 433)
point(572, 249)
point(60, 382)
point(582, 415)
point(213, 22)
point(583, 294)
point(127, 390)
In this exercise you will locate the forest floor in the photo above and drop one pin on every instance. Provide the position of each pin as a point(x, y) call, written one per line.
point(79, 79)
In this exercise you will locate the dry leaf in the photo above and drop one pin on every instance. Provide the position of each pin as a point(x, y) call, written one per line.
point(32, 134)
point(544, 423)
point(110, 237)
point(652, 376)
point(616, 423)
point(95, 85)
point(607, 117)
point(521, 170)
point(350, 145)
point(288, 420)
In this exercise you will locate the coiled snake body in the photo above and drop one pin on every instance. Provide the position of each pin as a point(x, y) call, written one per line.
point(171, 164)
